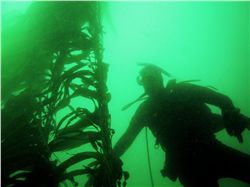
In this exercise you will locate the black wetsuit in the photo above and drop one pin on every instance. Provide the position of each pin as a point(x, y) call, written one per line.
point(184, 126)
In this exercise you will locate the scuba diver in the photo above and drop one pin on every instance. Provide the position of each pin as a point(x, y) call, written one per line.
point(184, 126)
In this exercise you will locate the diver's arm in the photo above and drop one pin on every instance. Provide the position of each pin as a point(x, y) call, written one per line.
point(209, 96)
point(128, 137)
point(233, 120)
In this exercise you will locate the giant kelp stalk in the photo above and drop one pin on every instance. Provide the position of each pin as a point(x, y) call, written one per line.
point(52, 57)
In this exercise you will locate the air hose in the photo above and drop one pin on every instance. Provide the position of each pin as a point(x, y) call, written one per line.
point(148, 156)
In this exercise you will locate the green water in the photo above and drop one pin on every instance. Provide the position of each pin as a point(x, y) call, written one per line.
point(208, 41)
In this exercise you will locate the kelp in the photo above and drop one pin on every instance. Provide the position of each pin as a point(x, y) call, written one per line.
point(73, 139)
point(55, 57)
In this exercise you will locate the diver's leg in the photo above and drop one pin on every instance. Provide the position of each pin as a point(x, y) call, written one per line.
point(199, 181)
point(233, 164)
point(198, 171)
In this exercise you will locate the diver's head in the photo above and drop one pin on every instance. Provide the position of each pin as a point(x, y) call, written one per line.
point(151, 79)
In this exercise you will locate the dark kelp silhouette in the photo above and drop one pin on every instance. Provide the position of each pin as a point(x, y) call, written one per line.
point(56, 56)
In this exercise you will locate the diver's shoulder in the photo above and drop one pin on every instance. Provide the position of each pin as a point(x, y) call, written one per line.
point(183, 86)
point(173, 84)
point(178, 84)
point(144, 105)
point(142, 111)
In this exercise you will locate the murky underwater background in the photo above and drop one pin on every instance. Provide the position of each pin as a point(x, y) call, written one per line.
point(208, 41)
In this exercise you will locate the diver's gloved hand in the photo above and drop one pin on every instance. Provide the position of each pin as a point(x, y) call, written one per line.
point(235, 123)
point(116, 167)
point(120, 176)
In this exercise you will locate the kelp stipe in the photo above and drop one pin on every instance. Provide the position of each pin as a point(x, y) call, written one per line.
point(62, 61)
